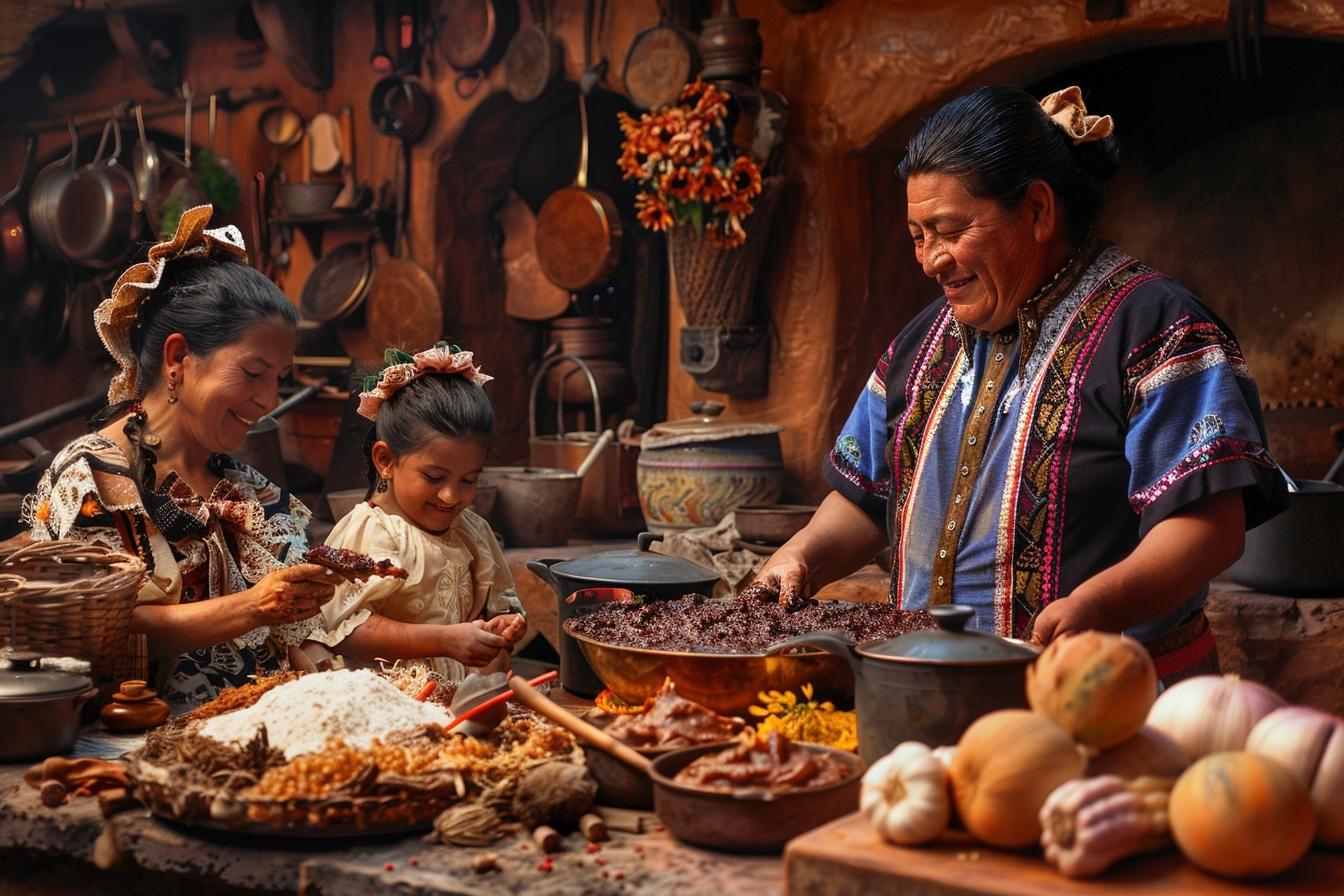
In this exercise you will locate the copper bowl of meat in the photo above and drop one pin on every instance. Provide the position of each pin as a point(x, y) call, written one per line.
point(714, 650)
point(667, 724)
point(753, 795)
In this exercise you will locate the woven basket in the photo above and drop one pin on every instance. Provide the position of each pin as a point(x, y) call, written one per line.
point(71, 599)
point(717, 287)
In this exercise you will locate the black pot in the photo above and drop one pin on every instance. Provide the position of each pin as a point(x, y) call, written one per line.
point(1298, 551)
point(927, 686)
point(641, 571)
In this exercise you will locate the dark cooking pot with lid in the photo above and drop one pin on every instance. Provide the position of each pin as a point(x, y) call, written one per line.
point(1298, 551)
point(647, 574)
point(583, 584)
point(39, 710)
point(928, 685)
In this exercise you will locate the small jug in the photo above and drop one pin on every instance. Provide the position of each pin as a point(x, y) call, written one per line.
point(136, 707)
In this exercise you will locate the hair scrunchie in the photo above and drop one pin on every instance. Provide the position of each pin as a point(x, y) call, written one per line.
point(1065, 108)
point(116, 316)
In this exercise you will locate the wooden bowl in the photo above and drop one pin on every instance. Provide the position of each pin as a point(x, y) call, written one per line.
point(771, 524)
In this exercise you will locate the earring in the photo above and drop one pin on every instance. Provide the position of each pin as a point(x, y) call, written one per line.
point(172, 389)
point(381, 486)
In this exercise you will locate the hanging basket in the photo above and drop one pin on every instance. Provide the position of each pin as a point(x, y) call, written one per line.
point(717, 287)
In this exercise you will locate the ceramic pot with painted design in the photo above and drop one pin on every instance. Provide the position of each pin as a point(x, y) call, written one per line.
point(693, 472)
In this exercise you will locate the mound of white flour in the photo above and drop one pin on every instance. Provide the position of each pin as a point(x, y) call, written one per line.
point(301, 716)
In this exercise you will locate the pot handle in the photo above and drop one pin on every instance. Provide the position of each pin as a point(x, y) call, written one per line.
point(85, 695)
point(644, 539)
point(833, 642)
point(541, 568)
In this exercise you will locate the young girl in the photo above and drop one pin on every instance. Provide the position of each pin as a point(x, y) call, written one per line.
point(456, 606)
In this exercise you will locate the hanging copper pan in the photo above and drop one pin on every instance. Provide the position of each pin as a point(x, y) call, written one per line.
point(13, 232)
point(472, 37)
point(658, 64)
point(533, 59)
point(402, 308)
point(528, 294)
point(578, 228)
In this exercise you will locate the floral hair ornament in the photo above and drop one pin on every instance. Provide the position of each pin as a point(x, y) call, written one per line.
point(115, 317)
point(403, 368)
point(1065, 108)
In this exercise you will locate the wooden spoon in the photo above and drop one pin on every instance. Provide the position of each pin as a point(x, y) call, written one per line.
point(534, 700)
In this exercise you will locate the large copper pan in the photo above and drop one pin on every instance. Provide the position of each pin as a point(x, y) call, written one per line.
point(727, 683)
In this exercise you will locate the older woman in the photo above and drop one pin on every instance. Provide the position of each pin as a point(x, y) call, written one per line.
point(1066, 439)
point(202, 341)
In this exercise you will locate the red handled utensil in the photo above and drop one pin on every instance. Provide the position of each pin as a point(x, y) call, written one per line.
point(499, 698)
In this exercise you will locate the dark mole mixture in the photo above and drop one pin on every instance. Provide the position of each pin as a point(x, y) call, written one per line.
point(743, 625)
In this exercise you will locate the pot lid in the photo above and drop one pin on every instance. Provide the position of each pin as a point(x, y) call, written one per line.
point(23, 682)
point(638, 568)
point(950, 643)
point(705, 426)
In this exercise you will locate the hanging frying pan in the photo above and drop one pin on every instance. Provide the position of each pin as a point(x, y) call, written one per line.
point(579, 229)
point(472, 35)
point(98, 216)
point(13, 232)
point(533, 59)
point(45, 192)
point(527, 292)
point(658, 64)
point(402, 307)
point(337, 284)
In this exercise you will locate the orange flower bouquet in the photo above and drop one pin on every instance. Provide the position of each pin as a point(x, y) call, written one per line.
point(688, 171)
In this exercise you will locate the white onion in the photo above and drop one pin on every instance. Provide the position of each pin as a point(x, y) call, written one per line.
point(1310, 744)
point(1212, 713)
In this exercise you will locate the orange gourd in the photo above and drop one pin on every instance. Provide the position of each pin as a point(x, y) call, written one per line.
point(1006, 765)
point(1241, 815)
point(1096, 686)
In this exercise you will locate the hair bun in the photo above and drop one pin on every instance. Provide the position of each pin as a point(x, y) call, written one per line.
point(1099, 158)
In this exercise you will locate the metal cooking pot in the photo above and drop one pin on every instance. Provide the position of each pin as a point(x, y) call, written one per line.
point(1298, 551)
point(928, 685)
point(576, 675)
point(39, 710)
point(97, 214)
point(647, 574)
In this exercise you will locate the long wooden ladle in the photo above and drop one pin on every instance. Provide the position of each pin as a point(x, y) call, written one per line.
point(589, 733)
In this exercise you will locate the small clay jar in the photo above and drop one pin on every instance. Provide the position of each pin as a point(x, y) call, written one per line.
point(134, 708)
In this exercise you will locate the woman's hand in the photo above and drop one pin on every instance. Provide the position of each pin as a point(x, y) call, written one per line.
point(471, 643)
point(511, 627)
point(291, 594)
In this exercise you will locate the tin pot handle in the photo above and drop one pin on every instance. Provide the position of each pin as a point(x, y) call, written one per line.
point(833, 642)
point(952, 617)
point(536, 384)
point(644, 539)
point(541, 568)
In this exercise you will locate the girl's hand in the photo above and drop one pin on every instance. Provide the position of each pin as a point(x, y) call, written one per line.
point(471, 643)
point(511, 627)
point(292, 594)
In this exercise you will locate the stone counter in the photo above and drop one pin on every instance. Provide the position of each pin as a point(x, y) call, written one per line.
point(53, 851)
point(1295, 645)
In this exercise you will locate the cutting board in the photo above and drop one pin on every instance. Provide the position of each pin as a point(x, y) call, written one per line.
point(847, 857)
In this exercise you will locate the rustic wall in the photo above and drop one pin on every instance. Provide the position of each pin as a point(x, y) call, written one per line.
point(859, 76)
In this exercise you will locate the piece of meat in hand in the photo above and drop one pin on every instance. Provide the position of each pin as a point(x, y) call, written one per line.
point(352, 564)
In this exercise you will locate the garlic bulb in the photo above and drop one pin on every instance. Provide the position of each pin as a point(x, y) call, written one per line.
point(905, 795)
point(1310, 744)
point(1212, 713)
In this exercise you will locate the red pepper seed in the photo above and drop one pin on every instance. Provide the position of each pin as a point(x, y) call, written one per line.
point(389, 866)
point(618, 874)
point(415, 861)
point(593, 847)
point(524, 846)
point(599, 860)
point(639, 848)
point(606, 873)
